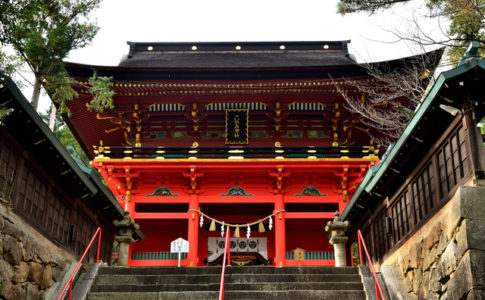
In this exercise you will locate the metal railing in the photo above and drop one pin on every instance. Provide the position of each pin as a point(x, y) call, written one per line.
point(227, 251)
point(313, 255)
point(156, 255)
point(69, 282)
point(376, 281)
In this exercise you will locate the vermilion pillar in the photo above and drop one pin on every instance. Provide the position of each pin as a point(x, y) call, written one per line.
point(280, 232)
point(193, 235)
point(130, 207)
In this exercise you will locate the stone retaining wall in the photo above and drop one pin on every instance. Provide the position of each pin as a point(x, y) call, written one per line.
point(29, 263)
point(445, 259)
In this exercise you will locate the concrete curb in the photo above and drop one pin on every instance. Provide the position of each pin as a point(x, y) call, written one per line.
point(84, 283)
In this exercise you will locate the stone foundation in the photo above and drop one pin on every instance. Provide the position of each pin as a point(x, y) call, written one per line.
point(29, 263)
point(445, 259)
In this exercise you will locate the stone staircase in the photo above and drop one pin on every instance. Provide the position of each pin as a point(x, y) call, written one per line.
point(252, 282)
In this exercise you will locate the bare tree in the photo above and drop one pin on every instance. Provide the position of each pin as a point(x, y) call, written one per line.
point(459, 22)
point(387, 102)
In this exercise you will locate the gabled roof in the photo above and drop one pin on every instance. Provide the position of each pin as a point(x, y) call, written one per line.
point(255, 61)
point(428, 121)
point(233, 55)
point(32, 133)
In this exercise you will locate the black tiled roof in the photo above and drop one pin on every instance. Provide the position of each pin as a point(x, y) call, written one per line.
point(236, 55)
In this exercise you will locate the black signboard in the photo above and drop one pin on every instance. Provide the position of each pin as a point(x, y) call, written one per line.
point(237, 126)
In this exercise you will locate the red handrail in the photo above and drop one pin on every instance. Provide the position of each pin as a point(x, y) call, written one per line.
point(79, 264)
point(227, 251)
point(376, 281)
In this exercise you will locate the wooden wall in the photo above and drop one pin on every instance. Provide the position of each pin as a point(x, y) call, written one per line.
point(435, 179)
point(33, 194)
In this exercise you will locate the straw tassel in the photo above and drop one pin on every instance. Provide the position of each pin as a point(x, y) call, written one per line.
point(236, 232)
point(261, 227)
point(213, 226)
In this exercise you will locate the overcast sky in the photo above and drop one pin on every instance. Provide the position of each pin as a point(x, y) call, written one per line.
point(372, 37)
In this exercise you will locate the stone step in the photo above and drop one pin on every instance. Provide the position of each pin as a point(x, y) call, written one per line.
point(229, 270)
point(215, 278)
point(228, 295)
point(275, 286)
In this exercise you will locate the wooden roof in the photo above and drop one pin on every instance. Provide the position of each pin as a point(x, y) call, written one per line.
point(169, 74)
point(430, 121)
point(28, 129)
point(232, 55)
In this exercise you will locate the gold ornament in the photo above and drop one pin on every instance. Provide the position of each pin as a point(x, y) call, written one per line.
point(213, 226)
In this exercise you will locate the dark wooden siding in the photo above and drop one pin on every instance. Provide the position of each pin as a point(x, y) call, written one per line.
point(46, 205)
point(427, 189)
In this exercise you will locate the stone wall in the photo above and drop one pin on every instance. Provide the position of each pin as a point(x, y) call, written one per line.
point(445, 259)
point(29, 263)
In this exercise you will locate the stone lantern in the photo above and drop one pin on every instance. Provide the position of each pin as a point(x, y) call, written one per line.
point(126, 229)
point(337, 230)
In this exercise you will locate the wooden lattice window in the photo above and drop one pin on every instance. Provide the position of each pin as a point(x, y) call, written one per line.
point(423, 189)
point(58, 220)
point(382, 242)
point(396, 233)
point(8, 167)
point(400, 216)
point(452, 162)
point(85, 231)
point(39, 204)
point(32, 196)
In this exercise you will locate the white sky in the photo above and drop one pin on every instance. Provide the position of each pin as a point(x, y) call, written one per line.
point(249, 20)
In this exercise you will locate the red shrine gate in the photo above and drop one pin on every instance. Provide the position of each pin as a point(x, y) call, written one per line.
point(300, 195)
point(242, 133)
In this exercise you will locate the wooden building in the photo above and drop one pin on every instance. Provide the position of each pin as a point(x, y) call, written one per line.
point(421, 209)
point(53, 192)
point(255, 135)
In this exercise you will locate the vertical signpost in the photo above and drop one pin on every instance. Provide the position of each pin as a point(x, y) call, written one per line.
point(179, 246)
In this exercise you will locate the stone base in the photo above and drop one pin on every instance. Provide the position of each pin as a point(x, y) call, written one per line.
point(30, 265)
point(445, 259)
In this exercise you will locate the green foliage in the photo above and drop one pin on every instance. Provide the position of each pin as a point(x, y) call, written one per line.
point(102, 94)
point(60, 88)
point(371, 6)
point(355, 253)
point(64, 135)
point(467, 23)
point(9, 64)
point(42, 32)
point(4, 112)
point(467, 20)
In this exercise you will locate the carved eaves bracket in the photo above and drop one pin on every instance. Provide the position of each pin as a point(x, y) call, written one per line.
point(279, 174)
point(194, 177)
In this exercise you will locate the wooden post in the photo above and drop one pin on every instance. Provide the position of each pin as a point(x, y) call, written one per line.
point(477, 149)
point(193, 231)
point(280, 232)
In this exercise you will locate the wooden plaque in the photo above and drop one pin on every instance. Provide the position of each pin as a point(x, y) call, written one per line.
point(237, 126)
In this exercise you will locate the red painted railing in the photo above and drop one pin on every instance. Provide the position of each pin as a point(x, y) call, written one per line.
point(376, 281)
point(227, 250)
point(69, 283)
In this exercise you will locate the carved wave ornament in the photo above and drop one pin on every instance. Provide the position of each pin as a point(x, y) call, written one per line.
point(162, 191)
point(310, 191)
point(236, 191)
